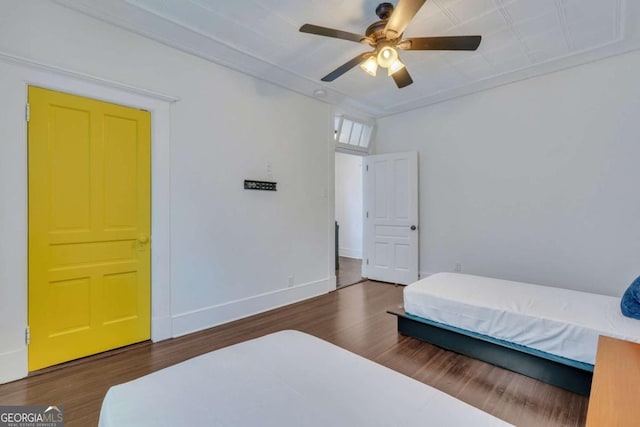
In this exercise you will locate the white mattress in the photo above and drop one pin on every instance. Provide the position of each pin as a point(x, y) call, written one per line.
point(283, 379)
point(557, 321)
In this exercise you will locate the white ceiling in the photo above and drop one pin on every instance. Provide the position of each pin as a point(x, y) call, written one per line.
point(521, 38)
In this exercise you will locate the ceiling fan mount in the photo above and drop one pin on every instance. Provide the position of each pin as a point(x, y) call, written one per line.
point(385, 36)
point(375, 32)
point(384, 10)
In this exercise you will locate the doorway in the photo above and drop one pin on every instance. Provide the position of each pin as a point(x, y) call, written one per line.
point(348, 214)
point(89, 226)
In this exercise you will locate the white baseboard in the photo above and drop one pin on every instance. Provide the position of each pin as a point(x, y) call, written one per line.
point(161, 328)
point(208, 317)
point(350, 253)
point(13, 365)
point(332, 284)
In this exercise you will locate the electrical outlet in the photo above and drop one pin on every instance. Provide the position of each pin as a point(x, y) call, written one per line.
point(458, 267)
point(290, 281)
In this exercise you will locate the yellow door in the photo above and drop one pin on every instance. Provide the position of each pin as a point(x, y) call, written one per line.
point(89, 227)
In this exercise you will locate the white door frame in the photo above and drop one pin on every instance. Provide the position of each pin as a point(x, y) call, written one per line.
point(20, 71)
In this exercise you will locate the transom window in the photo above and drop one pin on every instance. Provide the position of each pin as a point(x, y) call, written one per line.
point(352, 134)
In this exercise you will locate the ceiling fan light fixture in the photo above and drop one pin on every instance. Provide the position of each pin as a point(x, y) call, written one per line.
point(395, 67)
point(370, 65)
point(387, 55)
point(385, 37)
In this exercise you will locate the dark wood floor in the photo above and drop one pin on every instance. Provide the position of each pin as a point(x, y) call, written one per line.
point(349, 272)
point(353, 318)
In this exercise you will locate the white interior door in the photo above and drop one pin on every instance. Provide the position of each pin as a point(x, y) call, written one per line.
point(391, 217)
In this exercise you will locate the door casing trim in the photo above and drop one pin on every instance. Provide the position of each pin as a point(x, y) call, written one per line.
point(14, 361)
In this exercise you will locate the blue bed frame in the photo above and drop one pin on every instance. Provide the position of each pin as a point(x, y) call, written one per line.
point(559, 371)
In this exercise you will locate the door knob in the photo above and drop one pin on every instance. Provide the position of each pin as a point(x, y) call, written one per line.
point(143, 239)
point(413, 227)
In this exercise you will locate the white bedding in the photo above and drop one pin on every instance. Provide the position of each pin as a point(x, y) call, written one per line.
point(283, 379)
point(557, 321)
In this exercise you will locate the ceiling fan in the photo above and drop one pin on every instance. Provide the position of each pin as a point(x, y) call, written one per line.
point(385, 36)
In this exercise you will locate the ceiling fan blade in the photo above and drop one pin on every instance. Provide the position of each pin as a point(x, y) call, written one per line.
point(330, 32)
point(402, 78)
point(345, 67)
point(402, 14)
point(441, 43)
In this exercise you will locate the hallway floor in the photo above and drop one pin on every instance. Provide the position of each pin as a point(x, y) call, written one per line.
point(349, 272)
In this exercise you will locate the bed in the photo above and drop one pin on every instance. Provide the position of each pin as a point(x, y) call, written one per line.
point(547, 333)
point(283, 379)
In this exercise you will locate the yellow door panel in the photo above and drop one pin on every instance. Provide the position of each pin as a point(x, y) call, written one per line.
point(89, 226)
point(119, 295)
point(120, 174)
point(69, 170)
point(69, 306)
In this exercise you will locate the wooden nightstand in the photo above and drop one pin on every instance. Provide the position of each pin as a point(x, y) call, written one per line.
point(615, 391)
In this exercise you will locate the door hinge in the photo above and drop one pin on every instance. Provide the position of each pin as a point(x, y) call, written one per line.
point(367, 261)
point(27, 335)
point(367, 214)
point(27, 112)
point(367, 168)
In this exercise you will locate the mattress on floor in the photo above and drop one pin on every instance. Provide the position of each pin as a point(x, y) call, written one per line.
point(284, 379)
point(559, 321)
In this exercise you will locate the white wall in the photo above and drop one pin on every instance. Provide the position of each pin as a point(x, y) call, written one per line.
point(348, 194)
point(535, 181)
point(232, 251)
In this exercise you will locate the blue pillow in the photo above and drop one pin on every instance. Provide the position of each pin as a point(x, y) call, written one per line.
point(630, 303)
